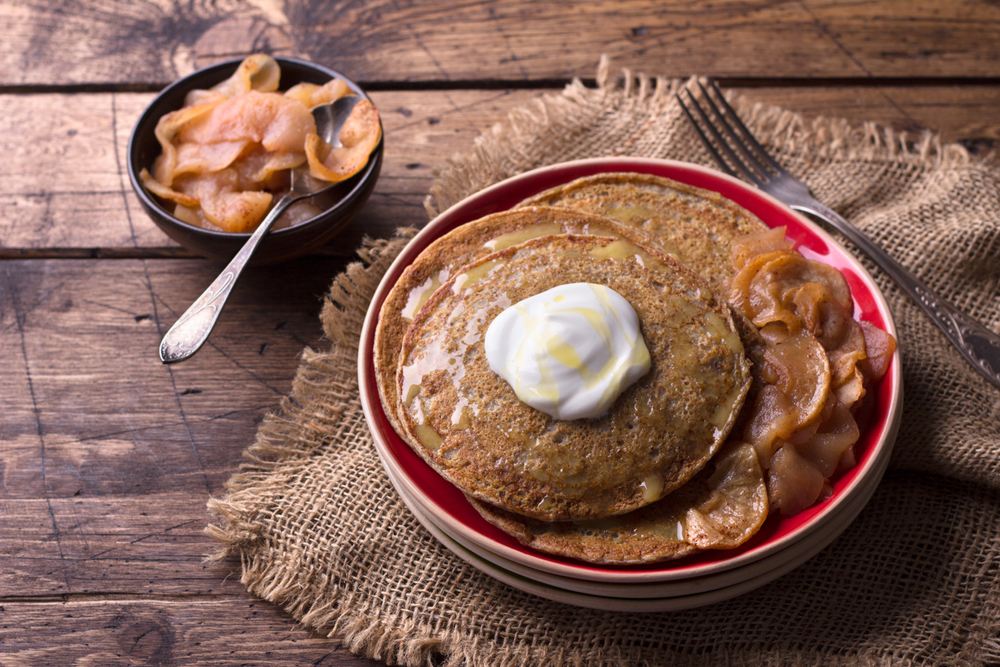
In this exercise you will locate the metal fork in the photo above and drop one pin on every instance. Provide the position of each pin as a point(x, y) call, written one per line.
point(735, 147)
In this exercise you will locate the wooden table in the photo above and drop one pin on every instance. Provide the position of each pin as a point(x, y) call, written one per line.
point(107, 457)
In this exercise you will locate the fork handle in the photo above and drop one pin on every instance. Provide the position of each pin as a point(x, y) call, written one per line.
point(979, 345)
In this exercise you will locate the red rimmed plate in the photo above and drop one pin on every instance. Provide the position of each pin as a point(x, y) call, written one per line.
point(647, 596)
point(448, 504)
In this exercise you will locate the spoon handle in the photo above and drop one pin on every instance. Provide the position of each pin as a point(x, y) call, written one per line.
point(191, 331)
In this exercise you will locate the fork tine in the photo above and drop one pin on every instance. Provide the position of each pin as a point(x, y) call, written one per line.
point(747, 134)
point(734, 137)
point(747, 172)
point(704, 138)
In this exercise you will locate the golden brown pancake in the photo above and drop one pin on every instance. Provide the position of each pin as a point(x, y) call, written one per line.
point(469, 425)
point(438, 262)
point(698, 225)
point(720, 508)
point(754, 347)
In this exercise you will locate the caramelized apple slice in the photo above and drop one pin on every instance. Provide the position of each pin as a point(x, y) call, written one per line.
point(166, 132)
point(257, 72)
point(313, 95)
point(749, 246)
point(237, 212)
point(164, 192)
point(202, 158)
point(739, 286)
point(836, 435)
point(800, 369)
point(822, 314)
point(359, 136)
point(772, 289)
point(880, 346)
point(793, 482)
point(737, 504)
point(773, 420)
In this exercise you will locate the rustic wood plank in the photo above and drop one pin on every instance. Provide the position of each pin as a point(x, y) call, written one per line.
point(94, 412)
point(116, 632)
point(118, 42)
point(138, 545)
point(61, 188)
point(20, 465)
point(110, 456)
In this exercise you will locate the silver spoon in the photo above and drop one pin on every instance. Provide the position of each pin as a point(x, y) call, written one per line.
point(191, 331)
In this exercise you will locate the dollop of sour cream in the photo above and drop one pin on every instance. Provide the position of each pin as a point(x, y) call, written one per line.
point(569, 351)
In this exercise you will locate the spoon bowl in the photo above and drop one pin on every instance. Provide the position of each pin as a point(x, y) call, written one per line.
point(192, 329)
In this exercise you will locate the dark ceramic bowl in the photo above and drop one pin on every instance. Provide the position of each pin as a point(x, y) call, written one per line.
point(340, 205)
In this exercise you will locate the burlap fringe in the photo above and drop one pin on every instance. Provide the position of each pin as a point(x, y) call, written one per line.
point(644, 96)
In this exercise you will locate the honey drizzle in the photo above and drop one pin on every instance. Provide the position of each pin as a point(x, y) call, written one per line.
point(418, 295)
point(519, 236)
point(436, 357)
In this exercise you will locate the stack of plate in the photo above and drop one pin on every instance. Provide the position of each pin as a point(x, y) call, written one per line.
point(781, 545)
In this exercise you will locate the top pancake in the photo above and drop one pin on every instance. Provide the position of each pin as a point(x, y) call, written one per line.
point(696, 225)
point(468, 424)
point(464, 244)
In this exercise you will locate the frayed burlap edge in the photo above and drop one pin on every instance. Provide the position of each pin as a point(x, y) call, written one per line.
point(494, 154)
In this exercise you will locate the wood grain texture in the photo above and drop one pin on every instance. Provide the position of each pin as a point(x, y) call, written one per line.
point(92, 411)
point(62, 188)
point(168, 631)
point(109, 458)
point(148, 543)
point(120, 42)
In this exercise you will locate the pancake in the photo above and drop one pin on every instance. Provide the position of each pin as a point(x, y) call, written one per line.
point(754, 347)
point(438, 262)
point(720, 508)
point(468, 424)
point(698, 226)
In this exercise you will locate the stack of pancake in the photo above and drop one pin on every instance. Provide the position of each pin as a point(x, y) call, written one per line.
point(654, 478)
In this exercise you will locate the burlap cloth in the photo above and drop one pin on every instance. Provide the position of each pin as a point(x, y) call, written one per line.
point(320, 531)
